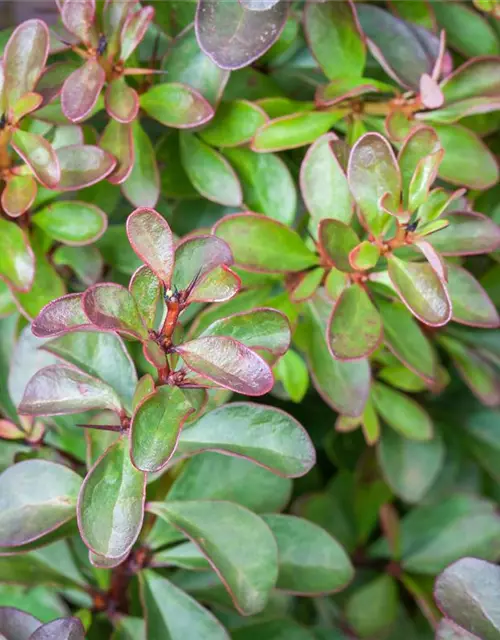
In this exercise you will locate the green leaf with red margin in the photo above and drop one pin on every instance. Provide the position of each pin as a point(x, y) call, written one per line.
point(422, 291)
point(235, 123)
point(17, 261)
point(142, 185)
point(81, 90)
point(37, 497)
point(151, 239)
point(24, 59)
point(372, 173)
point(82, 165)
point(355, 325)
point(169, 611)
point(302, 286)
point(60, 390)
point(209, 172)
point(467, 233)
point(73, 223)
point(176, 105)
point(156, 426)
point(78, 17)
point(265, 435)
point(264, 245)
point(111, 307)
point(470, 302)
point(233, 36)
point(134, 29)
point(336, 241)
point(448, 630)
point(364, 256)
point(420, 143)
point(335, 38)
point(219, 285)
point(110, 506)
point(228, 363)
point(475, 78)
point(40, 157)
point(323, 181)
point(196, 258)
point(402, 413)
point(121, 101)
point(60, 316)
point(310, 561)
point(221, 530)
point(117, 140)
point(146, 290)
point(18, 195)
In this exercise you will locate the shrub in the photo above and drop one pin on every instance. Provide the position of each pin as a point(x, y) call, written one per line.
point(293, 203)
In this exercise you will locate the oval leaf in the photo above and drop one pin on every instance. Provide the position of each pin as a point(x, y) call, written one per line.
point(151, 239)
point(470, 302)
point(17, 262)
point(72, 223)
point(83, 165)
point(176, 105)
point(40, 156)
point(110, 306)
point(402, 413)
point(81, 90)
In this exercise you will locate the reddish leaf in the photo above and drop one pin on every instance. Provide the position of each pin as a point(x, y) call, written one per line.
point(134, 29)
point(122, 101)
point(81, 90)
point(197, 257)
point(78, 18)
point(18, 195)
point(111, 307)
point(83, 165)
point(60, 316)
point(228, 363)
point(151, 239)
point(117, 140)
point(39, 155)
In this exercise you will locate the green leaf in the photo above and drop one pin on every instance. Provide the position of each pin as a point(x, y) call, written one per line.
point(86, 262)
point(291, 371)
point(60, 390)
point(111, 503)
point(422, 290)
point(117, 139)
point(268, 186)
point(335, 38)
point(278, 629)
point(364, 256)
point(372, 173)
point(233, 36)
point(467, 233)
point(355, 326)
point(196, 259)
point(145, 288)
point(234, 124)
point(296, 130)
point(17, 262)
point(73, 223)
point(209, 172)
point(373, 607)
point(310, 561)
point(402, 413)
point(186, 63)
point(174, 182)
point(469, 32)
point(336, 241)
point(169, 611)
point(82, 165)
point(18, 195)
point(264, 245)
point(176, 105)
point(237, 543)
point(410, 467)
point(142, 186)
point(134, 29)
point(122, 101)
point(156, 426)
point(37, 497)
point(467, 593)
point(40, 156)
point(470, 302)
point(324, 183)
point(474, 79)
point(266, 435)
point(111, 307)
point(421, 143)
point(214, 476)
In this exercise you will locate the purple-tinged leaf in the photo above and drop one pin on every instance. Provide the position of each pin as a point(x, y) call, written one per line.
point(448, 630)
point(142, 186)
point(62, 629)
point(39, 155)
point(156, 426)
point(258, 5)
point(122, 101)
point(18, 195)
point(146, 290)
point(25, 105)
point(422, 290)
point(78, 18)
point(117, 140)
point(151, 239)
point(324, 183)
point(81, 90)
point(82, 165)
point(111, 307)
point(17, 260)
point(430, 92)
point(196, 257)
point(134, 30)
point(433, 258)
point(265, 435)
point(470, 302)
point(335, 38)
point(355, 326)
point(232, 36)
point(24, 59)
point(176, 105)
point(372, 173)
point(60, 390)
point(221, 530)
point(37, 497)
point(264, 245)
point(336, 241)
point(111, 503)
point(17, 624)
point(467, 233)
point(219, 285)
point(402, 413)
point(228, 363)
point(60, 316)
point(71, 222)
